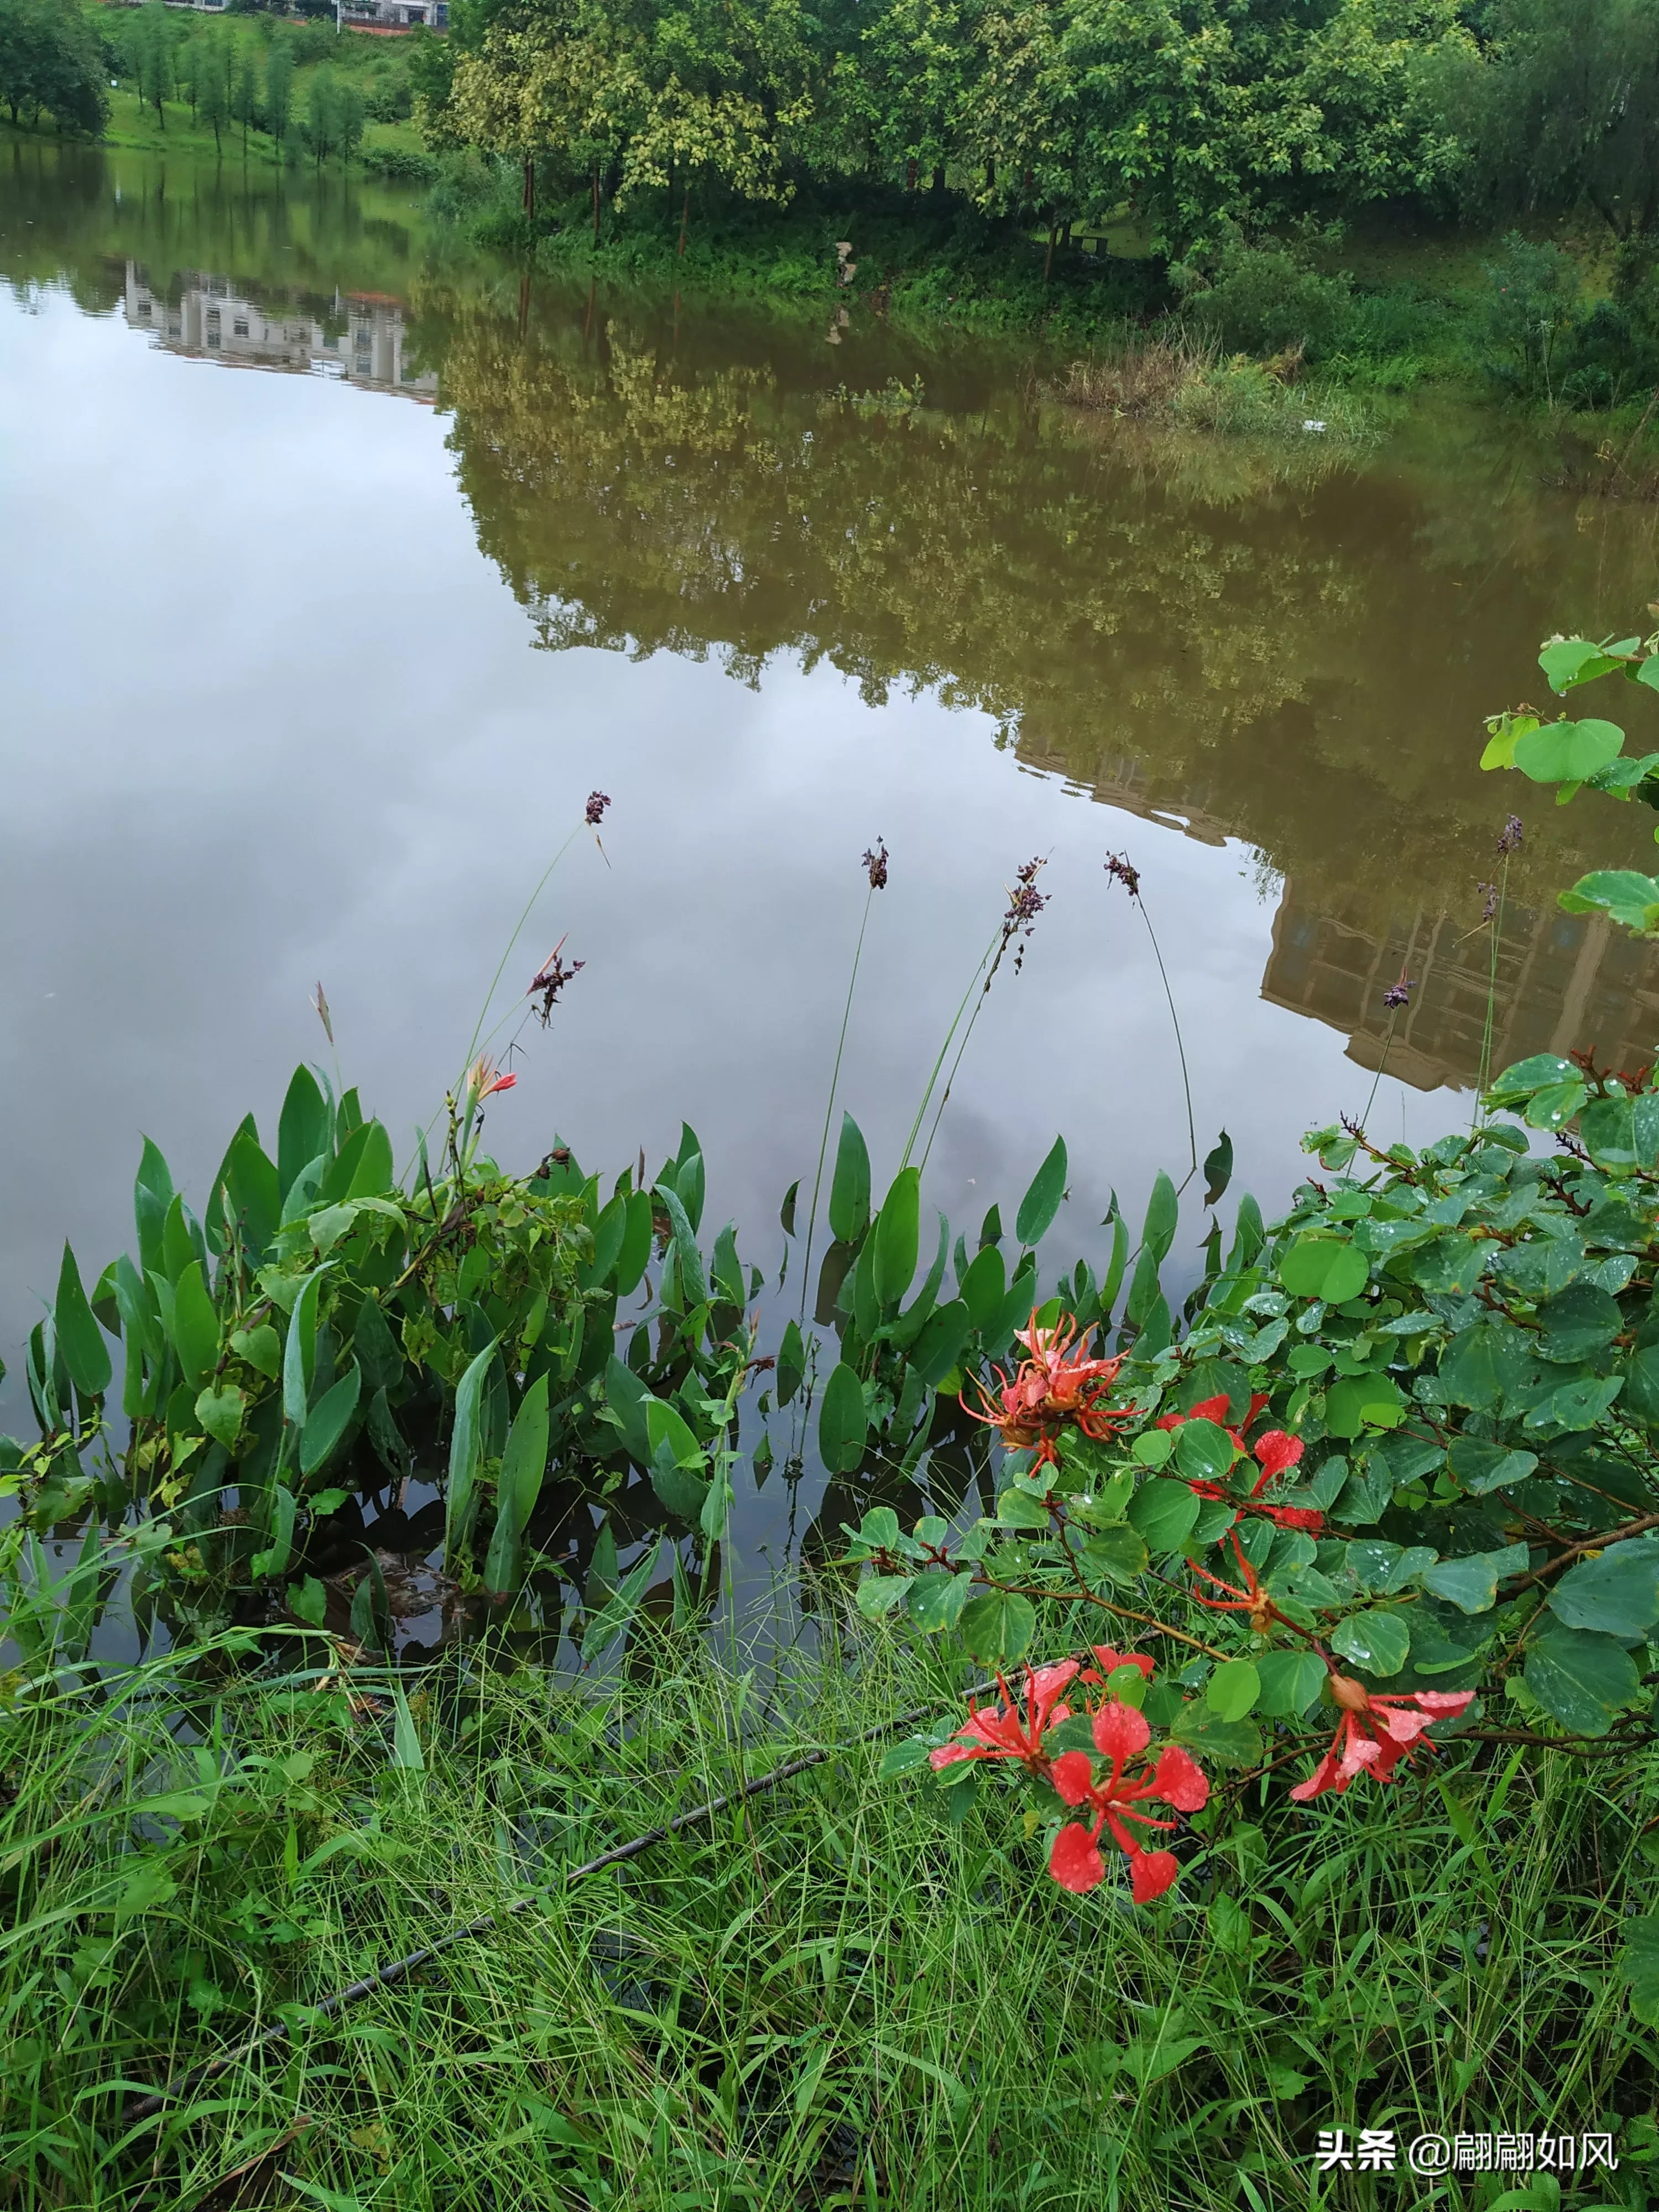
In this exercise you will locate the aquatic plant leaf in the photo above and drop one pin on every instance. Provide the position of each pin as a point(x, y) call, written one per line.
point(80, 1340)
point(1043, 1195)
point(850, 1187)
point(842, 1423)
point(896, 1241)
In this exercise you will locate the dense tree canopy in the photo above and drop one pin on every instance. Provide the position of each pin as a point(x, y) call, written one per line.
point(51, 63)
point(1184, 112)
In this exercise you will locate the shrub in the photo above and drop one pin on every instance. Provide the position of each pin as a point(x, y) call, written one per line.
point(1532, 301)
point(1264, 299)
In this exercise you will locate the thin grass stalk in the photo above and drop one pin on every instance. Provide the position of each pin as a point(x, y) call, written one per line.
point(1181, 1047)
point(830, 1103)
point(1495, 931)
point(927, 1092)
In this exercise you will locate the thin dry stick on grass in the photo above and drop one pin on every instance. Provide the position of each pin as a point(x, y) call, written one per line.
point(388, 1977)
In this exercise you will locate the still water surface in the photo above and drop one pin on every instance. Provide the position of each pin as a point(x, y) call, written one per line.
point(309, 667)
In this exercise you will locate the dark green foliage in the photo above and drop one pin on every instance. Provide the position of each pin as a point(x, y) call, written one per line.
point(51, 63)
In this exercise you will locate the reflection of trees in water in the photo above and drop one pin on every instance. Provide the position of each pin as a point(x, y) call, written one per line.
point(75, 215)
point(1303, 663)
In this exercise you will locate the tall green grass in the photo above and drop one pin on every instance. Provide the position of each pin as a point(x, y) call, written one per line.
point(834, 1996)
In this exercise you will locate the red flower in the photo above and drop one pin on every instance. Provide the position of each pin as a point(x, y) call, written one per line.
point(1108, 1661)
point(483, 1078)
point(1121, 1735)
point(1276, 1451)
point(1056, 1386)
point(1000, 1732)
point(1375, 1731)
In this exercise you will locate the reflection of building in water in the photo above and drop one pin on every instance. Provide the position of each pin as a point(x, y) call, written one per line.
point(1563, 983)
point(208, 320)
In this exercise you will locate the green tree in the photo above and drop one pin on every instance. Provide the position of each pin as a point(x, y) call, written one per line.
point(1568, 111)
point(245, 94)
point(321, 127)
point(350, 115)
point(213, 87)
point(279, 89)
point(52, 62)
point(151, 47)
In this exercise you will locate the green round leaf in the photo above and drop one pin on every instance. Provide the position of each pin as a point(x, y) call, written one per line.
point(1204, 1451)
point(1290, 1680)
point(1580, 1322)
point(1617, 1594)
point(1568, 752)
point(220, 1413)
point(998, 1628)
point(1362, 1402)
point(1377, 1641)
point(1233, 1689)
point(1582, 1679)
point(935, 1600)
point(1321, 1266)
point(1164, 1512)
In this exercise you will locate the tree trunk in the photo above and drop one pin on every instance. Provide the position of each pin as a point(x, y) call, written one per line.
point(909, 176)
point(685, 217)
point(595, 204)
point(529, 201)
point(1048, 259)
point(938, 178)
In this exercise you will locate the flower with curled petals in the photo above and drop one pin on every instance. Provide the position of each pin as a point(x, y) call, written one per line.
point(1004, 1731)
point(1377, 1730)
point(1121, 1735)
point(1057, 1386)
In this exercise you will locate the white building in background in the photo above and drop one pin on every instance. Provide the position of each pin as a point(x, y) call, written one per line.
point(209, 322)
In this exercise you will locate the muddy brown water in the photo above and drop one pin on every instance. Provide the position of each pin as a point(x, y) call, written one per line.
point(339, 565)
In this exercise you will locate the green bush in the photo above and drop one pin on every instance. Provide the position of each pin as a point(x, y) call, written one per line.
point(1264, 299)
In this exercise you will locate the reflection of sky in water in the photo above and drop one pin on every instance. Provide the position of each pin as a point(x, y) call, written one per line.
point(272, 719)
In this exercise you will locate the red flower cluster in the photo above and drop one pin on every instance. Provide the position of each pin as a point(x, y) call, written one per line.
point(1378, 1729)
point(1055, 1388)
point(1121, 1735)
point(1001, 1731)
point(1276, 1452)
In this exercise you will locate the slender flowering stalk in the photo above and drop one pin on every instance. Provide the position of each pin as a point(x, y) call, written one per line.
point(1121, 870)
point(1395, 999)
point(1509, 841)
point(1025, 903)
point(551, 977)
point(874, 863)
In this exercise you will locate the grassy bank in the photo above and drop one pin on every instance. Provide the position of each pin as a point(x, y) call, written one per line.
point(135, 126)
point(844, 1993)
point(1545, 322)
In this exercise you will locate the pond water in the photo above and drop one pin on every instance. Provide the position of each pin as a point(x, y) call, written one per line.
point(309, 668)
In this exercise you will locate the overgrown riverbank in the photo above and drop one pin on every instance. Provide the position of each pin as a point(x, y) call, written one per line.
point(1354, 1518)
point(845, 1993)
